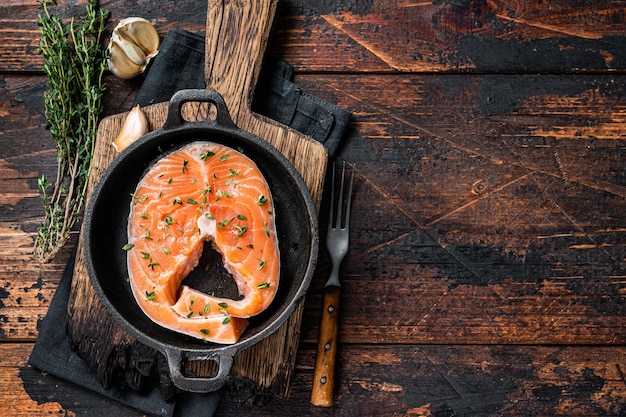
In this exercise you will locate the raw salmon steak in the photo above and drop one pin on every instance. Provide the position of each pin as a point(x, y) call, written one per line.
point(202, 193)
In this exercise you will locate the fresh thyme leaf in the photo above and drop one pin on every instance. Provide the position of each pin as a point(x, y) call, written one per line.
point(241, 229)
point(74, 63)
point(137, 199)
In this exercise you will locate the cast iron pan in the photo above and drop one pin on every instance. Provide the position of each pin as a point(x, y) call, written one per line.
point(105, 232)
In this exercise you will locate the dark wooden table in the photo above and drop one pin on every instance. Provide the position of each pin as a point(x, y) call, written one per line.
point(486, 274)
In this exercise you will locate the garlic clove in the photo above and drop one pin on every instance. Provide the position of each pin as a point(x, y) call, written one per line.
point(120, 65)
point(135, 126)
point(131, 50)
point(142, 33)
point(134, 42)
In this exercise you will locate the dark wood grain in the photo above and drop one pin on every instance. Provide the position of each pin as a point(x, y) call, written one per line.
point(486, 272)
point(389, 36)
point(374, 380)
point(486, 192)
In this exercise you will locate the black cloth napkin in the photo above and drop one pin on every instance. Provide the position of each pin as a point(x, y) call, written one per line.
point(52, 353)
point(180, 65)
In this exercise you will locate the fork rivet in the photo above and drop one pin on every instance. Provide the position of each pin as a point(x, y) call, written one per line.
point(331, 309)
point(327, 346)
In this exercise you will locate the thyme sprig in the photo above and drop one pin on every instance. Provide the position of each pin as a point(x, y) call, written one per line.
point(74, 62)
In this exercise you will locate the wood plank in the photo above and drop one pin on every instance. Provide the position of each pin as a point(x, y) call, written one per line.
point(461, 380)
point(384, 380)
point(27, 391)
point(491, 238)
point(387, 36)
point(451, 36)
point(511, 214)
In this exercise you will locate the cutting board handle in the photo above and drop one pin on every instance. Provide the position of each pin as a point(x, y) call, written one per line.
point(236, 38)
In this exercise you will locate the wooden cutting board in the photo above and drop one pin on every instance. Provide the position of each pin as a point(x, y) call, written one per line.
point(236, 37)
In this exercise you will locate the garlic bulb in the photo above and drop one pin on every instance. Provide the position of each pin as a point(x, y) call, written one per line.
point(134, 42)
point(135, 126)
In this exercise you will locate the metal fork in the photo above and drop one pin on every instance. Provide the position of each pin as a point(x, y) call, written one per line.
point(337, 239)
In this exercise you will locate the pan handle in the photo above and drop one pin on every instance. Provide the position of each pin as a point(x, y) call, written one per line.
point(174, 114)
point(175, 361)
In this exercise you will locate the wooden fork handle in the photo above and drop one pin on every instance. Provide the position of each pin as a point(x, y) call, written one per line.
point(324, 375)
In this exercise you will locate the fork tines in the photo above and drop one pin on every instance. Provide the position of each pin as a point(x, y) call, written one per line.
point(335, 217)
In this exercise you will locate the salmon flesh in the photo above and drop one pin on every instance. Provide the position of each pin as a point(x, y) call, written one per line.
point(202, 193)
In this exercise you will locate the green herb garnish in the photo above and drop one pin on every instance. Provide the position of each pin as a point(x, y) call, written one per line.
point(137, 200)
point(241, 229)
point(74, 62)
